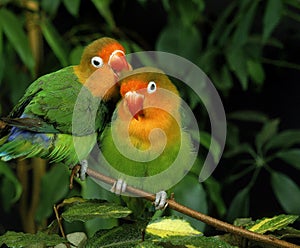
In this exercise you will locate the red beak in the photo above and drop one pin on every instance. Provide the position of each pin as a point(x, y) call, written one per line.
point(135, 103)
point(117, 61)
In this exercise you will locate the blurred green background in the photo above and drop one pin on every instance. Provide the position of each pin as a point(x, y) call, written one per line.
point(250, 50)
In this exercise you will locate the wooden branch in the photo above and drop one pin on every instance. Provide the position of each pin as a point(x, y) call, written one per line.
point(218, 224)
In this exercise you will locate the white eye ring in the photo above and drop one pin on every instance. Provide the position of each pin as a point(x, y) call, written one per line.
point(97, 62)
point(151, 88)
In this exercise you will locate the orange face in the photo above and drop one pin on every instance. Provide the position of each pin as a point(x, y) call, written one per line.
point(104, 52)
point(149, 101)
point(148, 98)
point(114, 55)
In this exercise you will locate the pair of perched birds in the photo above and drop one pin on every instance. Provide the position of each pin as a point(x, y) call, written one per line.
point(136, 121)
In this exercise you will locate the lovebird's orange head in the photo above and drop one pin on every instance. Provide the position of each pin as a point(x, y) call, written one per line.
point(104, 51)
point(147, 92)
point(149, 101)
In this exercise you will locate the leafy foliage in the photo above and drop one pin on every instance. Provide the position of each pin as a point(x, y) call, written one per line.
point(272, 224)
point(170, 227)
point(11, 188)
point(170, 232)
point(87, 210)
point(230, 44)
point(19, 240)
point(268, 145)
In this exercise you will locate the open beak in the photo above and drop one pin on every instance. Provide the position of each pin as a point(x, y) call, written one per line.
point(117, 61)
point(134, 103)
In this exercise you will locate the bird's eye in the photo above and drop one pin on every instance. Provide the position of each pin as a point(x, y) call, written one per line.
point(151, 88)
point(97, 62)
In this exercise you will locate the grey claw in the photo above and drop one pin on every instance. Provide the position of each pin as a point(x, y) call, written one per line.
point(161, 200)
point(119, 187)
point(83, 169)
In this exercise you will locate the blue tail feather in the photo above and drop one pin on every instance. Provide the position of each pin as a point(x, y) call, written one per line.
point(23, 143)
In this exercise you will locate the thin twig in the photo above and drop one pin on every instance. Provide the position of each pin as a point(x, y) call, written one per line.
point(218, 224)
point(58, 218)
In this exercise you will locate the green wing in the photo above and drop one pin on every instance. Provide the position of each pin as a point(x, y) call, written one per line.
point(57, 119)
point(59, 103)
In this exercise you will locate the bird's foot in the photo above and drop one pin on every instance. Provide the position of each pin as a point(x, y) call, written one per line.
point(83, 169)
point(160, 202)
point(79, 170)
point(119, 187)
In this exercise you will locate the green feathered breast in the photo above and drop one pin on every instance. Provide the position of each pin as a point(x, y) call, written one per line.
point(57, 119)
point(146, 170)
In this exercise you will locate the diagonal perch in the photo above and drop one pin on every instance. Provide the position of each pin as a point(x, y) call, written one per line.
point(218, 224)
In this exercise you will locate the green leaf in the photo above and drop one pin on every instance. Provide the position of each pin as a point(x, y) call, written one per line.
point(256, 71)
point(11, 188)
point(189, 11)
point(205, 139)
point(271, 224)
point(291, 157)
point(103, 7)
point(55, 41)
point(189, 192)
point(226, 78)
point(72, 6)
point(50, 6)
point(75, 55)
point(170, 226)
point(170, 40)
point(287, 233)
point(208, 142)
point(207, 59)
point(248, 115)
point(222, 79)
point(286, 191)
point(268, 131)
point(90, 209)
point(130, 235)
point(239, 206)
point(241, 33)
point(20, 240)
point(272, 16)
point(54, 187)
point(221, 24)
point(12, 27)
point(94, 225)
point(236, 59)
point(124, 236)
point(193, 241)
point(213, 188)
point(284, 139)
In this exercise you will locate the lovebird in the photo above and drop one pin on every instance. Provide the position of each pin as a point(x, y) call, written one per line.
point(146, 145)
point(61, 113)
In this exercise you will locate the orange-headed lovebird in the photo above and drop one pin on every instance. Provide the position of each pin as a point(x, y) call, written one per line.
point(146, 145)
point(61, 113)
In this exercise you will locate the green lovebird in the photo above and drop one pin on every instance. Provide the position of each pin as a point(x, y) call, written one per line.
point(146, 145)
point(61, 113)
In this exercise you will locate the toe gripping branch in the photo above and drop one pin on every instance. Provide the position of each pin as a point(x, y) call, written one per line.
point(160, 202)
point(79, 170)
